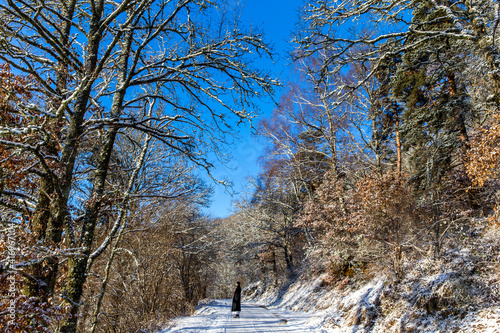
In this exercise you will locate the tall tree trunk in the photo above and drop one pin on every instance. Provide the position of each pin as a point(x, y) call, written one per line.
point(398, 147)
point(288, 260)
point(48, 220)
point(286, 247)
point(275, 266)
point(458, 115)
point(77, 274)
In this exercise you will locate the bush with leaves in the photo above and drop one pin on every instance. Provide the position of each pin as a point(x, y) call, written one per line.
point(484, 160)
point(377, 226)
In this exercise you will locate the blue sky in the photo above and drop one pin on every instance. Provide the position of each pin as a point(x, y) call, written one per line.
point(277, 19)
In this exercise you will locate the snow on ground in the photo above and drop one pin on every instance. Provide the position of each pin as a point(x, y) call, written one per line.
point(215, 317)
point(457, 293)
point(375, 307)
point(330, 310)
point(307, 306)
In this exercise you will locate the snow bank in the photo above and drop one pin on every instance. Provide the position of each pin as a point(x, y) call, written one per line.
point(457, 293)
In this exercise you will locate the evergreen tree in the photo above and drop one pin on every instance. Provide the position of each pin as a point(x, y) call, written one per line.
point(386, 117)
point(429, 83)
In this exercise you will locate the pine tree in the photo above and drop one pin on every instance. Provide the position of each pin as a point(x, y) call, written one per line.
point(386, 117)
point(429, 83)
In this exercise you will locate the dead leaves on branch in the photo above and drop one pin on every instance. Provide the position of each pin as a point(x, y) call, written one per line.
point(484, 155)
point(27, 136)
point(484, 158)
point(20, 254)
point(377, 219)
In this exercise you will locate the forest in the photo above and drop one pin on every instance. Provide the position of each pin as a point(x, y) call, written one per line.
point(383, 149)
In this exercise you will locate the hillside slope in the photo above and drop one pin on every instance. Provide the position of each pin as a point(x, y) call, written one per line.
point(459, 292)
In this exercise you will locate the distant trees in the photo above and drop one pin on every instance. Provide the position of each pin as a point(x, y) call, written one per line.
point(92, 74)
point(268, 216)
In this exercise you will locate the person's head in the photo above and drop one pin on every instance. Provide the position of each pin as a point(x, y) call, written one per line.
point(238, 283)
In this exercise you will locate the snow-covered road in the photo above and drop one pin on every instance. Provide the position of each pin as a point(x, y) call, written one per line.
point(216, 318)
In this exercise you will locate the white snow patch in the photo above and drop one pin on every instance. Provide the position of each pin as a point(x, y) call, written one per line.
point(486, 320)
point(209, 318)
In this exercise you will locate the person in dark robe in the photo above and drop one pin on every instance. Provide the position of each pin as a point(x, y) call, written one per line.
point(236, 307)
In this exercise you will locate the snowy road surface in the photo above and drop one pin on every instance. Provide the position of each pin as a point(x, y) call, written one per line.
point(216, 318)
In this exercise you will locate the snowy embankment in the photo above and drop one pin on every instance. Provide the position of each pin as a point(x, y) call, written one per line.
point(457, 293)
point(373, 308)
point(327, 309)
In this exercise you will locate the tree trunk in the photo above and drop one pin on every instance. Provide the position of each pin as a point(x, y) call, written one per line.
point(77, 274)
point(275, 266)
point(398, 147)
point(48, 221)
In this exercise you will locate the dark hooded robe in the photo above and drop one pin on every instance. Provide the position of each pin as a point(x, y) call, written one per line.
point(237, 299)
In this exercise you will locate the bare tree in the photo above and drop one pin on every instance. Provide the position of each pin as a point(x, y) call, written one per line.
point(381, 29)
point(268, 219)
point(95, 66)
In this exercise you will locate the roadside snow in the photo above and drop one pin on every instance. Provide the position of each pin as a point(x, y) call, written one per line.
point(487, 320)
point(376, 306)
point(208, 318)
point(328, 310)
point(215, 317)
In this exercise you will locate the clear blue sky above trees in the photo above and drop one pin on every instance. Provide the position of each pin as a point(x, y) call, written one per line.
point(277, 19)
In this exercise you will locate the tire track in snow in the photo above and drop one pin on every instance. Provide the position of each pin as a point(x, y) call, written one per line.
point(216, 317)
